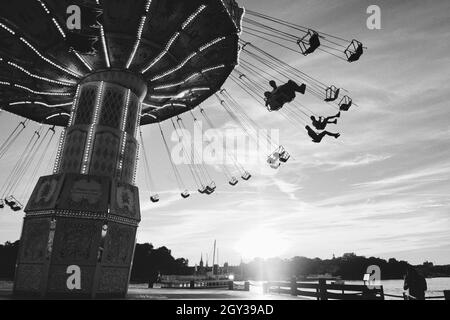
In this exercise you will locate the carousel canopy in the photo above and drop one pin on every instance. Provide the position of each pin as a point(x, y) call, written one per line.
point(184, 51)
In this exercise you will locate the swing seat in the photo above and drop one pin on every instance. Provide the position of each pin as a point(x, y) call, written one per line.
point(11, 201)
point(155, 198)
point(277, 154)
point(2, 203)
point(185, 194)
point(211, 188)
point(16, 208)
point(202, 191)
point(354, 51)
point(345, 103)
point(285, 156)
point(309, 43)
point(246, 176)
point(234, 181)
point(332, 93)
point(275, 165)
point(274, 161)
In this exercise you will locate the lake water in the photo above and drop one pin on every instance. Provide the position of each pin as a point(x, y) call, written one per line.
point(436, 286)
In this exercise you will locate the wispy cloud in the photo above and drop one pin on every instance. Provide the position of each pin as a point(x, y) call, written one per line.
point(381, 189)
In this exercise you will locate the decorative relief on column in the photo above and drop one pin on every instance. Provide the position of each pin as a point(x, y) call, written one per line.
point(86, 104)
point(74, 149)
point(113, 280)
point(105, 153)
point(61, 144)
point(34, 240)
point(112, 107)
point(85, 193)
point(76, 241)
point(119, 245)
point(28, 278)
point(132, 116)
point(45, 193)
point(129, 160)
point(125, 200)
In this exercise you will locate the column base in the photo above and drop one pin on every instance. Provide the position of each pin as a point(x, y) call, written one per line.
point(78, 222)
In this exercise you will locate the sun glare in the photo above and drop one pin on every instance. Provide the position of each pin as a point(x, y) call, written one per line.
point(261, 243)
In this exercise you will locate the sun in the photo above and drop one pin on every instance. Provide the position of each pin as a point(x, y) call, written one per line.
point(261, 243)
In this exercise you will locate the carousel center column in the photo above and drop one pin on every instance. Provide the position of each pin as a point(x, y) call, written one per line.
point(79, 231)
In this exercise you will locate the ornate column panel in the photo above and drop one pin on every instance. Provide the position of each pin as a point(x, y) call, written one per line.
point(85, 216)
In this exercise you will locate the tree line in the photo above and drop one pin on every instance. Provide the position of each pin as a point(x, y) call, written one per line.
point(149, 261)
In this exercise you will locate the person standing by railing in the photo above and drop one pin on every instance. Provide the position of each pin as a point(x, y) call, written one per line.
point(415, 284)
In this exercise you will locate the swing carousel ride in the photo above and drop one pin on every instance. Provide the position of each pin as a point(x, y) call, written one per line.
point(131, 64)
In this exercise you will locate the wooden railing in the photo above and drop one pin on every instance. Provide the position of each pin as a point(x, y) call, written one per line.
point(405, 296)
point(324, 291)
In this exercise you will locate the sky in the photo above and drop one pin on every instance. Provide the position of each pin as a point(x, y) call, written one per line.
point(381, 190)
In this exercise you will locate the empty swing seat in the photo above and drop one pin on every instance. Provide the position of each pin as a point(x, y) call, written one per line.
point(185, 194)
point(11, 201)
point(2, 203)
point(274, 161)
point(246, 176)
point(277, 157)
point(155, 198)
point(285, 156)
point(332, 93)
point(354, 51)
point(275, 165)
point(211, 188)
point(345, 103)
point(202, 190)
point(309, 43)
point(17, 208)
point(234, 181)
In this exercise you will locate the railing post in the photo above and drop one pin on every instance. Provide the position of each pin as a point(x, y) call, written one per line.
point(293, 286)
point(192, 284)
point(447, 294)
point(246, 286)
point(322, 294)
point(230, 285)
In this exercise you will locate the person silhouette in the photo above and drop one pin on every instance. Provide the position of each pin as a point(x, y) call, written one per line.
point(415, 284)
point(317, 137)
point(281, 95)
point(321, 123)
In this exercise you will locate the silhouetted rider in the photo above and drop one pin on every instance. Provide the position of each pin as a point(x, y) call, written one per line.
point(276, 99)
point(321, 123)
point(317, 137)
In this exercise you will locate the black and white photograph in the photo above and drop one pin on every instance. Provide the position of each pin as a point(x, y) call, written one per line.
point(235, 152)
